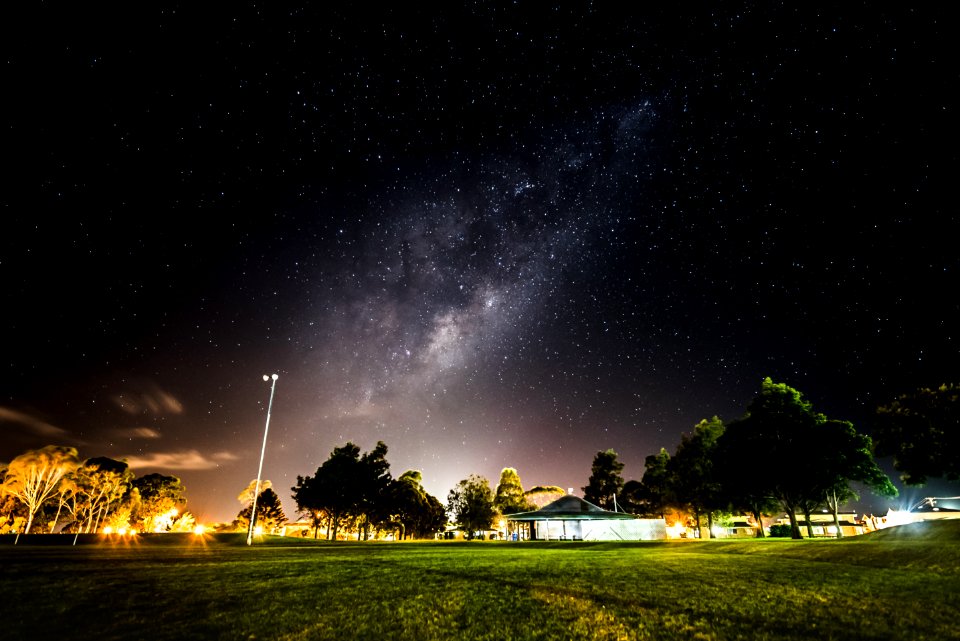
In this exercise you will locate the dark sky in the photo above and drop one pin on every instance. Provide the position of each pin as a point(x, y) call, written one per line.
point(487, 235)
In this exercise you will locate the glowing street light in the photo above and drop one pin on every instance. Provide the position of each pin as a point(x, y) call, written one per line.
point(256, 492)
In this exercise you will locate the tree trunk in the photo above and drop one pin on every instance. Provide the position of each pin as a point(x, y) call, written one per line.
point(759, 517)
point(710, 524)
point(696, 516)
point(56, 518)
point(835, 508)
point(806, 515)
point(794, 528)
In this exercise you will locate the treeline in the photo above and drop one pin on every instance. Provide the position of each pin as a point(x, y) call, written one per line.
point(53, 490)
point(782, 455)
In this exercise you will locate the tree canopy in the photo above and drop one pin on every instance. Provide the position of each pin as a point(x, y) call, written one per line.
point(33, 477)
point(347, 486)
point(509, 497)
point(470, 504)
point(815, 457)
point(921, 430)
point(269, 514)
point(605, 481)
point(694, 483)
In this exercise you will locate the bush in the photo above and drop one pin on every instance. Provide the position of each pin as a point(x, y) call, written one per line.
point(780, 530)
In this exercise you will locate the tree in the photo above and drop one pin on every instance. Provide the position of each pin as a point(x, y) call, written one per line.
point(605, 482)
point(542, 495)
point(779, 426)
point(33, 477)
point(374, 485)
point(470, 504)
point(653, 493)
point(161, 496)
point(269, 514)
point(813, 455)
point(921, 430)
point(416, 512)
point(847, 457)
point(347, 488)
point(738, 460)
point(102, 485)
point(509, 498)
point(691, 471)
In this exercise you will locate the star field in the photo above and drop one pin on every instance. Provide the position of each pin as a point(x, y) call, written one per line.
point(489, 235)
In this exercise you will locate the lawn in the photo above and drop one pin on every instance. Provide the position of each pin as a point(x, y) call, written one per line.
point(182, 587)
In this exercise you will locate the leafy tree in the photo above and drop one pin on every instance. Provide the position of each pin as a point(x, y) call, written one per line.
point(921, 430)
point(13, 514)
point(470, 504)
point(653, 493)
point(417, 513)
point(691, 471)
point(160, 496)
point(102, 485)
point(509, 498)
point(269, 514)
point(813, 455)
point(738, 463)
point(780, 425)
point(347, 488)
point(605, 481)
point(846, 456)
point(373, 493)
point(541, 495)
point(33, 477)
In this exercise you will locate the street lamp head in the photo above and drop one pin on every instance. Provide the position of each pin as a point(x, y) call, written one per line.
point(266, 378)
point(275, 376)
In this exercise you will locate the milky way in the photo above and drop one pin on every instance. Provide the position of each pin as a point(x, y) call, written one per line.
point(487, 236)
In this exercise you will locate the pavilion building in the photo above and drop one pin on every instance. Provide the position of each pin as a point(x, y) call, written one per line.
point(571, 518)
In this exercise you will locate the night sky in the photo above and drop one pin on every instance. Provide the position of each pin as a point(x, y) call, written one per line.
point(488, 235)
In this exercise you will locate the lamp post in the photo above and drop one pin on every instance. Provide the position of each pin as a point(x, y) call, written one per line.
point(256, 492)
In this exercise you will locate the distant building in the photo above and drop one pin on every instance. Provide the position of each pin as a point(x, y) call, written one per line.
point(931, 508)
point(823, 526)
point(741, 527)
point(570, 518)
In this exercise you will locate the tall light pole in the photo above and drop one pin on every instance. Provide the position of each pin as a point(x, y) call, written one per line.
point(263, 450)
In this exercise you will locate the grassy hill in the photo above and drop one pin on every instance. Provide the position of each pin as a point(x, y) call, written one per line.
point(942, 531)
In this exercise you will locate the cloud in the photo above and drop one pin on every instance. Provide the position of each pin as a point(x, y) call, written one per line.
point(182, 460)
point(33, 424)
point(139, 432)
point(152, 400)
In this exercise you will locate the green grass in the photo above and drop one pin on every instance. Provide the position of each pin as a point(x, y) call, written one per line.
point(881, 586)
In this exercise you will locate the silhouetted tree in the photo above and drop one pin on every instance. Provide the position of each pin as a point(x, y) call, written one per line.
point(418, 513)
point(651, 495)
point(845, 457)
point(921, 430)
point(605, 481)
point(347, 487)
point(814, 456)
point(693, 481)
point(269, 514)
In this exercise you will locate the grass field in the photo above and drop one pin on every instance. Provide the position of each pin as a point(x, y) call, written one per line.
point(889, 585)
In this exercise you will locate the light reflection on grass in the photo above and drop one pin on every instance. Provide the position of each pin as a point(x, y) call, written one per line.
point(212, 586)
